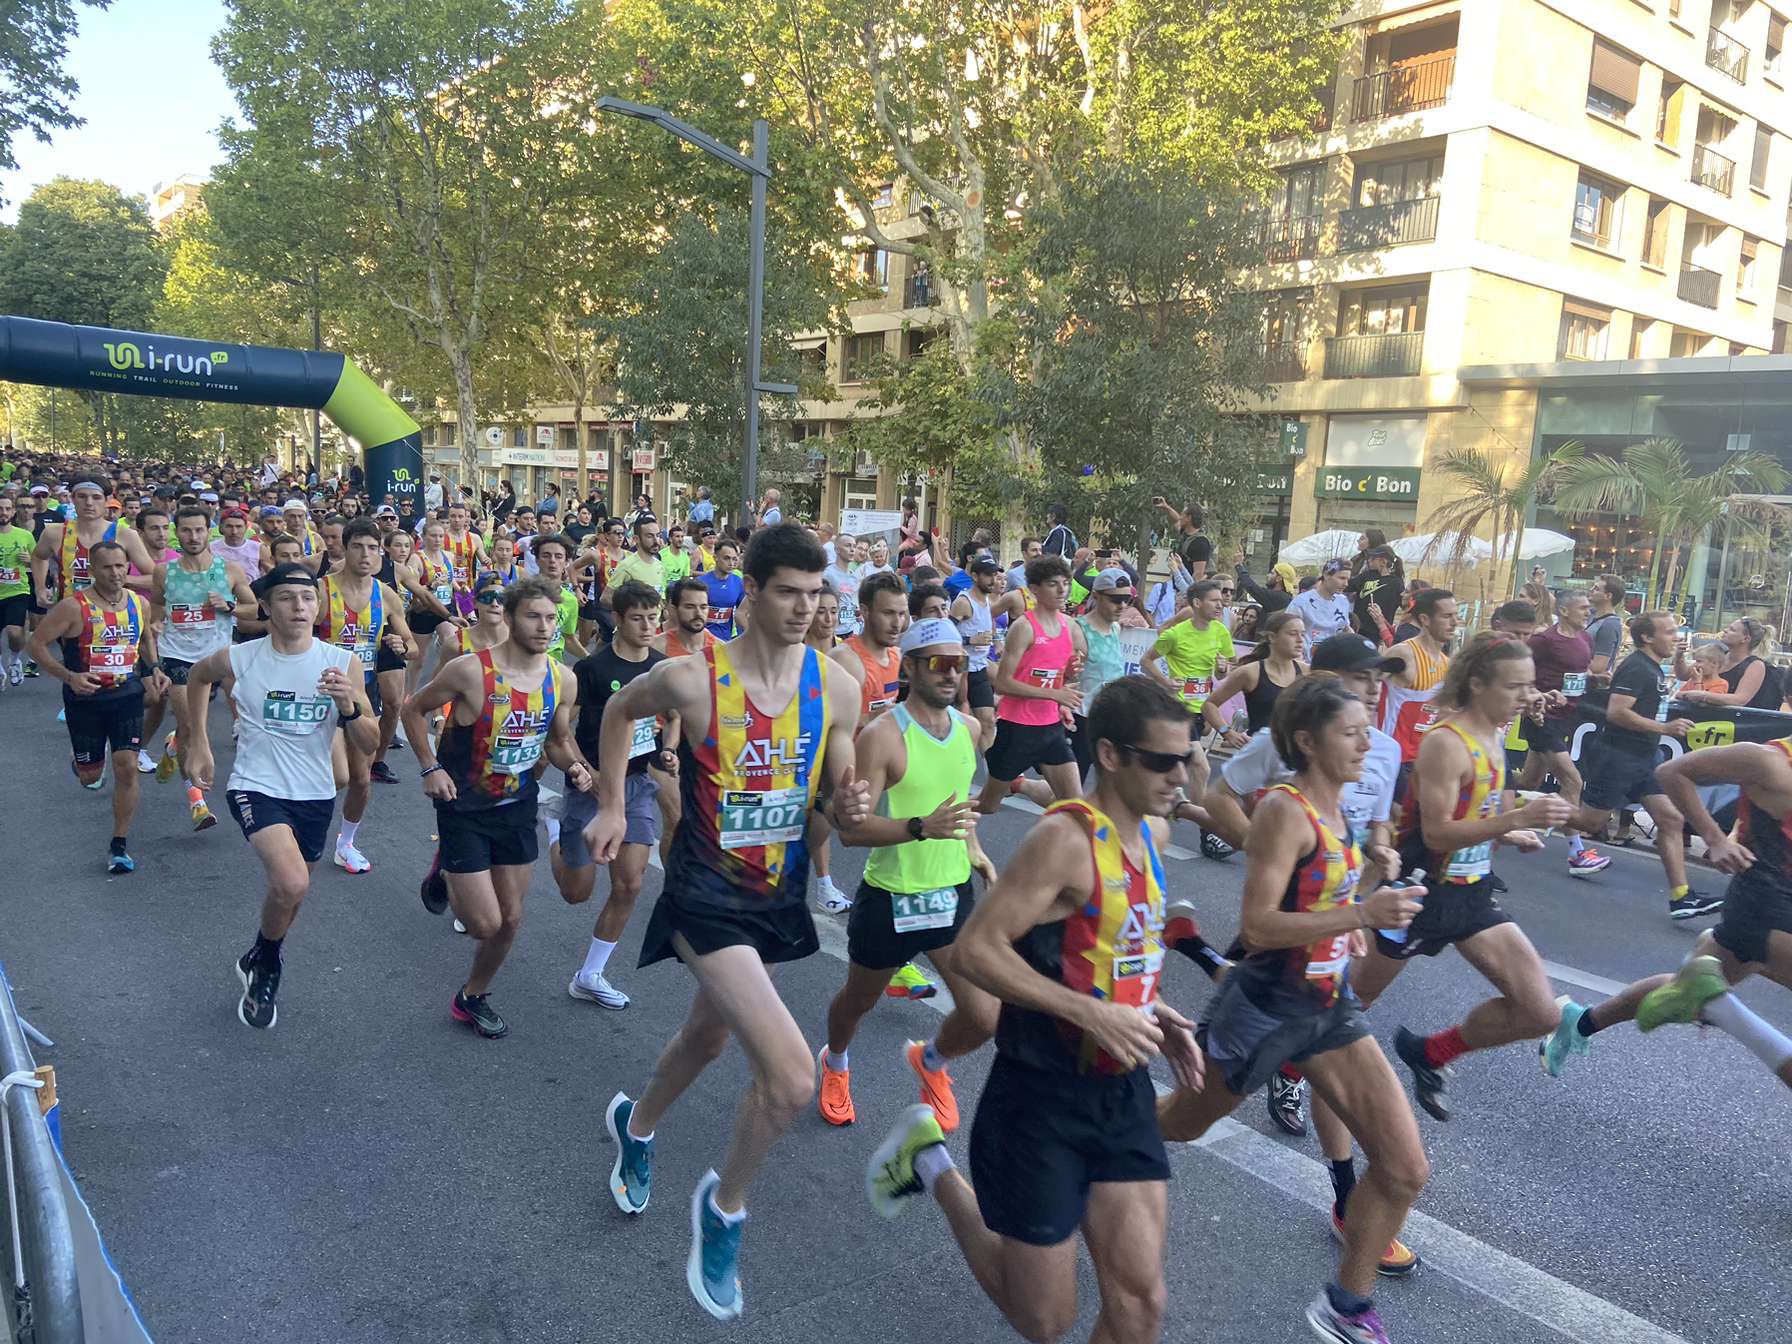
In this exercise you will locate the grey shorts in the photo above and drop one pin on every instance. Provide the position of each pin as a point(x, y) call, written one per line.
point(1248, 1043)
point(640, 806)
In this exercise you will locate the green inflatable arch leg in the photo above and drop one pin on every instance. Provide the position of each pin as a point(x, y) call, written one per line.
point(138, 363)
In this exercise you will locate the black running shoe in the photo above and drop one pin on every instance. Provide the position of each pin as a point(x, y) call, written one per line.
point(261, 983)
point(1430, 1085)
point(1287, 1100)
point(477, 1013)
point(434, 890)
point(1212, 847)
point(1694, 905)
point(382, 772)
point(1497, 884)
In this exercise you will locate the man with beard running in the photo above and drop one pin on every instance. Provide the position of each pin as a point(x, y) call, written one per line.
point(504, 709)
point(200, 592)
point(107, 663)
point(292, 692)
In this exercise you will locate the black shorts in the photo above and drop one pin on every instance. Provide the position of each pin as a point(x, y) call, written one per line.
point(871, 936)
point(178, 670)
point(1041, 1139)
point(309, 818)
point(978, 688)
point(1452, 912)
point(374, 699)
point(14, 610)
point(476, 840)
point(1248, 1043)
point(1550, 736)
point(777, 933)
point(424, 623)
point(1022, 746)
point(591, 611)
point(1757, 904)
point(1614, 778)
point(104, 724)
point(387, 661)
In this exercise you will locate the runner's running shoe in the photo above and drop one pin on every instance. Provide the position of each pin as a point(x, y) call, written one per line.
point(477, 1012)
point(713, 1270)
point(1430, 1085)
point(1588, 862)
point(1556, 1049)
point(1694, 985)
point(890, 1178)
point(936, 1086)
point(1694, 905)
point(835, 1098)
point(1359, 1327)
point(631, 1176)
point(169, 763)
point(351, 859)
point(1212, 847)
point(382, 772)
point(1287, 1101)
point(146, 764)
point(910, 982)
point(261, 983)
point(119, 862)
point(1396, 1262)
point(596, 989)
point(203, 820)
point(434, 889)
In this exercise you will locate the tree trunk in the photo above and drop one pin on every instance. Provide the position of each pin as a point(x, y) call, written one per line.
point(1652, 595)
point(462, 365)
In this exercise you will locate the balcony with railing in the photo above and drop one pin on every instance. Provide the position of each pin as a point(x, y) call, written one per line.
point(1370, 227)
point(1405, 88)
point(918, 291)
point(1284, 361)
point(1713, 170)
point(1286, 237)
point(1394, 356)
point(1727, 56)
point(1700, 286)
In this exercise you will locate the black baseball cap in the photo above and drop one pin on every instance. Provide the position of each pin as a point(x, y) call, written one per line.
point(1351, 653)
point(281, 575)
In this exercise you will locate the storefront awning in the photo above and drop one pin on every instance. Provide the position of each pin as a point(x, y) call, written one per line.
point(1765, 372)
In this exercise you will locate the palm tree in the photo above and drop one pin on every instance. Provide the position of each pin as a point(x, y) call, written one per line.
point(1494, 495)
point(1654, 481)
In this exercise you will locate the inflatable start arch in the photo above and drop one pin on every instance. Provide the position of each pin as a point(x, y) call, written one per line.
point(138, 363)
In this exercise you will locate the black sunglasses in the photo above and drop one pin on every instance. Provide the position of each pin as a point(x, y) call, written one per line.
point(1158, 762)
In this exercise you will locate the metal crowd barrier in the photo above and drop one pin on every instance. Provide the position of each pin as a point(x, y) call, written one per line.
point(43, 1293)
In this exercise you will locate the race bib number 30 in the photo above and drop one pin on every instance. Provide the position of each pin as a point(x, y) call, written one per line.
point(751, 818)
point(912, 912)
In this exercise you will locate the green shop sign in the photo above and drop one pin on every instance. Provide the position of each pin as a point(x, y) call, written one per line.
point(1398, 483)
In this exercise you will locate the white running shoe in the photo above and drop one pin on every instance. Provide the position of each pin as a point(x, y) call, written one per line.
point(146, 764)
point(15, 675)
point(596, 989)
point(350, 858)
point(833, 900)
point(459, 927)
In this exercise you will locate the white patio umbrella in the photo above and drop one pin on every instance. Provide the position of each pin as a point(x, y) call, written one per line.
point(1321, 546)
point(1443, 550)
point(1534, 543)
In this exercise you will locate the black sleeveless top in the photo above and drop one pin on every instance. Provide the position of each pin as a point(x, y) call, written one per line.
point(1768, 695)
point(1260, 703)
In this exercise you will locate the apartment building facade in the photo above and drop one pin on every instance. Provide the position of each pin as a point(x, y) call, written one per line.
point(1503, 197)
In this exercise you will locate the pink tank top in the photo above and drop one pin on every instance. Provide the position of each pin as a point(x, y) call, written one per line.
point(1042, 665)
point(246, 557)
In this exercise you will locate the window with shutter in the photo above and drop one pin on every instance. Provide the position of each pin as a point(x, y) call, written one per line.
point(1757, 168)
point(1745, 271)
point(1612, 81)
point(1776, 43)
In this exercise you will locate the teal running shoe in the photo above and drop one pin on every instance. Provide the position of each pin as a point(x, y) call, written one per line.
point(1694, 985)
point(1555, 1049)
point(631, 1175)
point(713, 1270)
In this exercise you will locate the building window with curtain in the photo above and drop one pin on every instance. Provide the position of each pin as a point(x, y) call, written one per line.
point(1596, 211)
point(1745, 269)
point(1758, 165)
point(1584, 329)
point(1612, 82)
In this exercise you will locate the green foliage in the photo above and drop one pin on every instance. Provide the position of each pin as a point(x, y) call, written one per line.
point(35, 90)
point(680, 341)
point(1494, 494)
point(83, 252)
point(1654, 481)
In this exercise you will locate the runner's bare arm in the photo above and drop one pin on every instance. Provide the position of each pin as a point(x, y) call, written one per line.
point(397, 626)
point(1241, 680)
point(41, 555)
point(678, 685)
point(1149, 663)
point(458, 686)
point(364, 733)
point(846, 794)
point(61, 622)
point(134, 549)
point(1281, 836)
point(1764, 771)
point(1002, 676)
point(880, 757)
point(195, 744)
point(845, 658)
point(562, 747)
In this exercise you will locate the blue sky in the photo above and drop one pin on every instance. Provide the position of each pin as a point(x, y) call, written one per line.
point(150, 94)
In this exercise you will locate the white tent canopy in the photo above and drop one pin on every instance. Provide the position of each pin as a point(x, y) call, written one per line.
point(1534, 543)
point(1336, 543)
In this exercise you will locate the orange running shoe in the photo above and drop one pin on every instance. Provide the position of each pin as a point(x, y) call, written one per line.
point(836, 1092)
point(936, 1087)
point(1397, 1261)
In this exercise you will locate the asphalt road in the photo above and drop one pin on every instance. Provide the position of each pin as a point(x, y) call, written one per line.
point(369, 1171)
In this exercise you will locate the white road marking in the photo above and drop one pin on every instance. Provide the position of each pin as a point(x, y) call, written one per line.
point(1585, 979)
point(1557, 1307)
point(1178, 852)
point(1021, 803)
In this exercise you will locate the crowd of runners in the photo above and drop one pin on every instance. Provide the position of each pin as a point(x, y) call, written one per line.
point(742, 701)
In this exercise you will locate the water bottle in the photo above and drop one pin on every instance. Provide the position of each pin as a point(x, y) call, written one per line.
point(1417, 879)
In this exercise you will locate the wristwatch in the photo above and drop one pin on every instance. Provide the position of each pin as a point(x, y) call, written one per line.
point(349, 718)
point(915, 828)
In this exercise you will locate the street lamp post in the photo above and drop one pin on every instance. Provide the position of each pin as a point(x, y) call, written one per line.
point(759, 171)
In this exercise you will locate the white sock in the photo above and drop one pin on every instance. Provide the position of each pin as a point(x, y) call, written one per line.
point(825, 882)
point(1729, 1015)
point(931, 1059)
point(553, 825)
point(1576, 843)
point(597, 957)
point(728, 1219)
point(931, 1163)
point(347, 835)
point(838, 1062)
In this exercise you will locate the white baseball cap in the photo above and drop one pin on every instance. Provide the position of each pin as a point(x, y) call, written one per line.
point(935, 630)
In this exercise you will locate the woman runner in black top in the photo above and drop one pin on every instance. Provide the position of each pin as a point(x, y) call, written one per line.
point(1262, 676)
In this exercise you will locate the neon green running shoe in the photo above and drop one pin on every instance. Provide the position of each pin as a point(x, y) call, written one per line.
point(910, 982)
point(891, 1180)
point(1694, 985)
